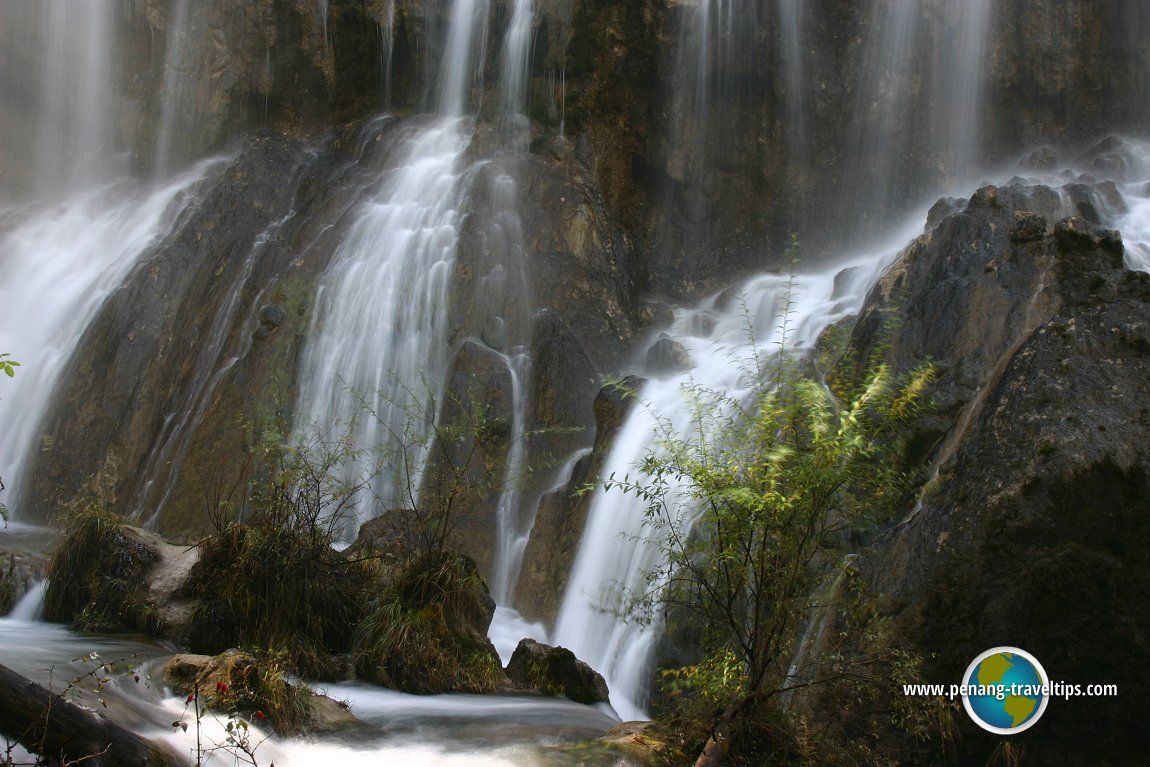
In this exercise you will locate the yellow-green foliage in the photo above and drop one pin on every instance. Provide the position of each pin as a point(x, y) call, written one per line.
point(744, 503)
point(428, 633)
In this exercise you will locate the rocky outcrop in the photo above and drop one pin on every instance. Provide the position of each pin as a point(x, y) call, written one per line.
point(556, 671)
point(237, 683)
point(1034, 533)
point(562, 512)
point(428, 633)
point(465, 472)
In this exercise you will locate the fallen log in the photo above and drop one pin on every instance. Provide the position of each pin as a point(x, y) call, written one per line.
point(45, 723)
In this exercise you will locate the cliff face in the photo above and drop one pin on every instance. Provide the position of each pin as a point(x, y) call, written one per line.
point(667, 149)
point(1035, 530)
point(712, 134)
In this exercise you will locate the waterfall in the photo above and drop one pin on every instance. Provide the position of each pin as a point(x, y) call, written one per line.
point(882, 129)
point(513, 88)
point(178, 113)
point(31, 606)
point(59, 80)
point(58, 263)
point(793, 55)
point(377, 351)
point(377, 347)
point(1135, 224)
point(617, 554)
point(958, 85)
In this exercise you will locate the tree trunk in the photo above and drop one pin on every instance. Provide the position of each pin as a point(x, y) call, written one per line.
point(719, 744)
point(46, 724)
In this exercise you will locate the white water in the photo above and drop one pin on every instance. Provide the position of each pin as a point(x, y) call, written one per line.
point(513, 99)
point(881, 127)
point(377, 347)
point(431, 730)
point(618, 553)
point(1135, 224)
point(30, 608)
point(958, 117)
point(75, 146)
point(178, 112)
point(377, 351)
point(58, 264)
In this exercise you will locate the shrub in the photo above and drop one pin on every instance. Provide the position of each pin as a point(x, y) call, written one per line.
point(274, 580)
point(745, 505)
point(428, 633)
point(95, 574)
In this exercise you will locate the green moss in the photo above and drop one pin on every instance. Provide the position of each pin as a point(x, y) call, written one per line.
point(94, 576)
point(428, 633)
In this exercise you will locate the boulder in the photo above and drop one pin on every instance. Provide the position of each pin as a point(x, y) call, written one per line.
point(562, 512)
point(428, 633)
point(258, 689)
point(556, 671)
point(667, 357)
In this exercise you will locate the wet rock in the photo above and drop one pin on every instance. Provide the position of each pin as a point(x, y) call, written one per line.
point(1037, 531)
point(1077, 235)
point(1044, 159)
point(556, 671)
point(946, 206)
point(271, 317)
point(1027, 227)
point(428, 633)
point(255, 687)
point(562, 512)
point(667, 357)
point(464, 476)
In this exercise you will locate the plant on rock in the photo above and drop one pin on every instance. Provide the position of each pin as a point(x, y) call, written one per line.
point(272, 577)
point(428, 633)
point(744, 505)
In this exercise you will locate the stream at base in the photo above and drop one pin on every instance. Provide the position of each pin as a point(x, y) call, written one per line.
point(433, 731)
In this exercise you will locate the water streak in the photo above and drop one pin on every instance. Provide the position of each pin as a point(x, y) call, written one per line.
point(58, 264)
point(377, 346)
point(725, 339)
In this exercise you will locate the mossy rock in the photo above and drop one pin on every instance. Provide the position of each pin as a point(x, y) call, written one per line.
point(256, 687)
point(556, 671)
point(428, 634)
point(95, 576)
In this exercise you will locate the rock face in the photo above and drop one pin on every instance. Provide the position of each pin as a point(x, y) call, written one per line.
point(1037, 532)
point(556, 671)
point(558, 529)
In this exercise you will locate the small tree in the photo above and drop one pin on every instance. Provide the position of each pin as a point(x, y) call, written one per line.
point(743, 505)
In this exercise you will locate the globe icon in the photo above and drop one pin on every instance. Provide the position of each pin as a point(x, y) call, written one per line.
point(1005, 690)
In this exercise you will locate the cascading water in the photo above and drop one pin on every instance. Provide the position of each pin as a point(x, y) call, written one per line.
point(1135, 224)
point(618, 553)
point(178, 111)
point(58, 265)
point(881, 131)
point(377, 348)
point(513, 89)
point(959, 116)
point(377, 352)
